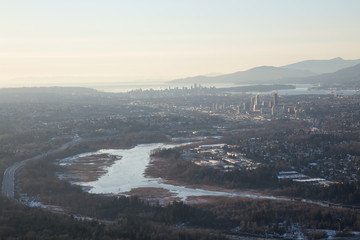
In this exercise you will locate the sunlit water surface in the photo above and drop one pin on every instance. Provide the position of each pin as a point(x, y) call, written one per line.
point(127, 173)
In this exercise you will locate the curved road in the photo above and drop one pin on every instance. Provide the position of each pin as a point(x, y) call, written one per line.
point(8, 183)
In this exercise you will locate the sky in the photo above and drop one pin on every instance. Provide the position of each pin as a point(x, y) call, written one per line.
point(80, 41)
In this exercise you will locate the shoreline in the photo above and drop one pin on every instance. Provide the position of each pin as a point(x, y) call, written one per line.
point(157, 165)
point(163, 191)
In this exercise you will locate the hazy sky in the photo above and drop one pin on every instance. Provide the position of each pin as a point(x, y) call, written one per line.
point(126, 40)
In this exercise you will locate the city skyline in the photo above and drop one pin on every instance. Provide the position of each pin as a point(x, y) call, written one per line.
point(123, 41)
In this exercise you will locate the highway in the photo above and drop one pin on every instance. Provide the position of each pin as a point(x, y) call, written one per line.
point(8, 183)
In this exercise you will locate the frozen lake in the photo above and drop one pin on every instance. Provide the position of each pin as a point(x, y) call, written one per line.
point(127, 173)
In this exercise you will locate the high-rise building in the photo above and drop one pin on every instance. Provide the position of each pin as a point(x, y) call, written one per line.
point(275, 99)
point(252, 101)
point(257, 100)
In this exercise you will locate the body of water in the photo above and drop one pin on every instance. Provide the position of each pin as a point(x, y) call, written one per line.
point(306, 89)
point(299, 90)
point(119, 87)
point(125, 87)
point(127, 173)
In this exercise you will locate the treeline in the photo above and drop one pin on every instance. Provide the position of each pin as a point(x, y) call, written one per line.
point(343, 193)
point(20, 222)
point(260, 216)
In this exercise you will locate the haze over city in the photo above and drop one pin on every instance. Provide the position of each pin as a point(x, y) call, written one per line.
point(179, 119)
point(78, 42)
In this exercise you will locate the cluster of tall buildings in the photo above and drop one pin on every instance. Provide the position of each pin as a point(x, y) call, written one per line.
point(256, 103)
point(264, 104)
point(267, 105)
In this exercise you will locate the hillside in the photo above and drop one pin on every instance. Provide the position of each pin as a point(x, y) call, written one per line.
point(300, 72)
point(258, 75)
point(345, 78)
point(323, 66)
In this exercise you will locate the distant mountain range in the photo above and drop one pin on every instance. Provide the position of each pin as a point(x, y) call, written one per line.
point(347, 78)
point(258, 75)
point(310, 71)
point(323, 66)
